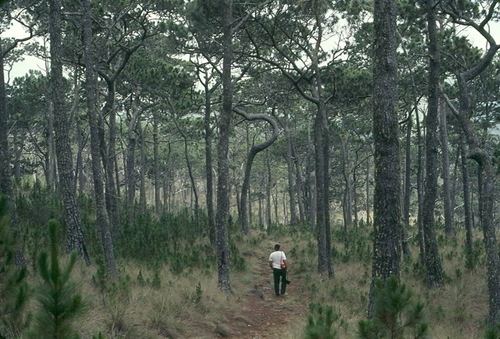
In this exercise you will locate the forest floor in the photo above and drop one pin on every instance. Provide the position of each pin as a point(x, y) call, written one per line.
point(261, 313)
point(190, 305)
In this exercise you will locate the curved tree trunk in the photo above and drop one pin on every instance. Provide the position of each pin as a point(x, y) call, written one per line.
point(254, 150)
point(486, 182)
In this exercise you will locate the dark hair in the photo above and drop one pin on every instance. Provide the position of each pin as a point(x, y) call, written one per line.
point(276, 247)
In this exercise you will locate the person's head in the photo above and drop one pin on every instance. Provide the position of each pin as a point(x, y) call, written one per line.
point(277, 247)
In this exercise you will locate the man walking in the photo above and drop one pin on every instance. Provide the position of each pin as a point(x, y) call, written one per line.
point(277, 261)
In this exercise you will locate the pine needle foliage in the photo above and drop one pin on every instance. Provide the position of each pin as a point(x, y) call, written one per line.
point(320, 322)
point(396, 314)
point(59, 302)
point(13, 285)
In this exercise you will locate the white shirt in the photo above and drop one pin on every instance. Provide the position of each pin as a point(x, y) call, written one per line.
point(276, 257)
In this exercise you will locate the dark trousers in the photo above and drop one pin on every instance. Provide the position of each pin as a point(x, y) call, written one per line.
point(279, 278)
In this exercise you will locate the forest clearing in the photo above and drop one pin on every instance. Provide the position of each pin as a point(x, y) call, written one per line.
point(310, 169)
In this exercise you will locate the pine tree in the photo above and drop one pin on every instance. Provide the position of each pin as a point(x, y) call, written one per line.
point(395, 315)
point(13, 286)
point(320, 322)
point(59, 302)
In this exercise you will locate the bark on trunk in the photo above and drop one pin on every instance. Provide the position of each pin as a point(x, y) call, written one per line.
point(222, 214)
point(322, 157)
point(91, 91)
point(367, 207)
point(110, 159)
point(142, 181)
point(467, 207)
point(420, 190)
point(407, 192)
point(268, 192)
point(208, 163)
point(130, 168)
point(445, 162)
point(74, 233)
point(346, 173)
point(387, 195)
point(434, 271)
point(486, 182)
point(191, 179)
point(5, 175)
point(156, 165)
point(291, 175)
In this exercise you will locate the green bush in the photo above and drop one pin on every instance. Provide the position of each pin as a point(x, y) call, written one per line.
point(59, 302)
point(395, 313)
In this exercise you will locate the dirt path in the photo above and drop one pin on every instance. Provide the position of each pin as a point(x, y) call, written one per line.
point(262, 314)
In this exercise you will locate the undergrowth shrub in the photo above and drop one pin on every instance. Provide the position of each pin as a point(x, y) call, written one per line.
point(13, 285)
point(395, 313)
point(58, 299)
point(320, 322)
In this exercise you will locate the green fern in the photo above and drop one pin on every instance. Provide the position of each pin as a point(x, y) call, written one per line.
point(59, 302)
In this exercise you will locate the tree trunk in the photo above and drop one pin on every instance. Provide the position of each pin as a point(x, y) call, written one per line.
point(191, 179)
point(268, 192)
point(354, 194)
point(91, 91)
point(434, 277)
point(5, 175)
point(322, 157)
point(222, 214)
point(299, 186)
point(310, 180)
point(130, 168)
point(367, 207)
point(74, 233)
point(420, 190)
point(110, 159)
point(467, 207)
point(407, 192)
point(276, 214)
point(453, 191)
point(291, 183)
point(142, 176)
point(486, 184)
point(387, 195)
point(346, 173)
point(254, 150)
point(156, 165)
point(208, 164)
point(443, 132)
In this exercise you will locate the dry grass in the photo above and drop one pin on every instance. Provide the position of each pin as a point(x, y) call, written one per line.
point(457, 310)
point(141, 310)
